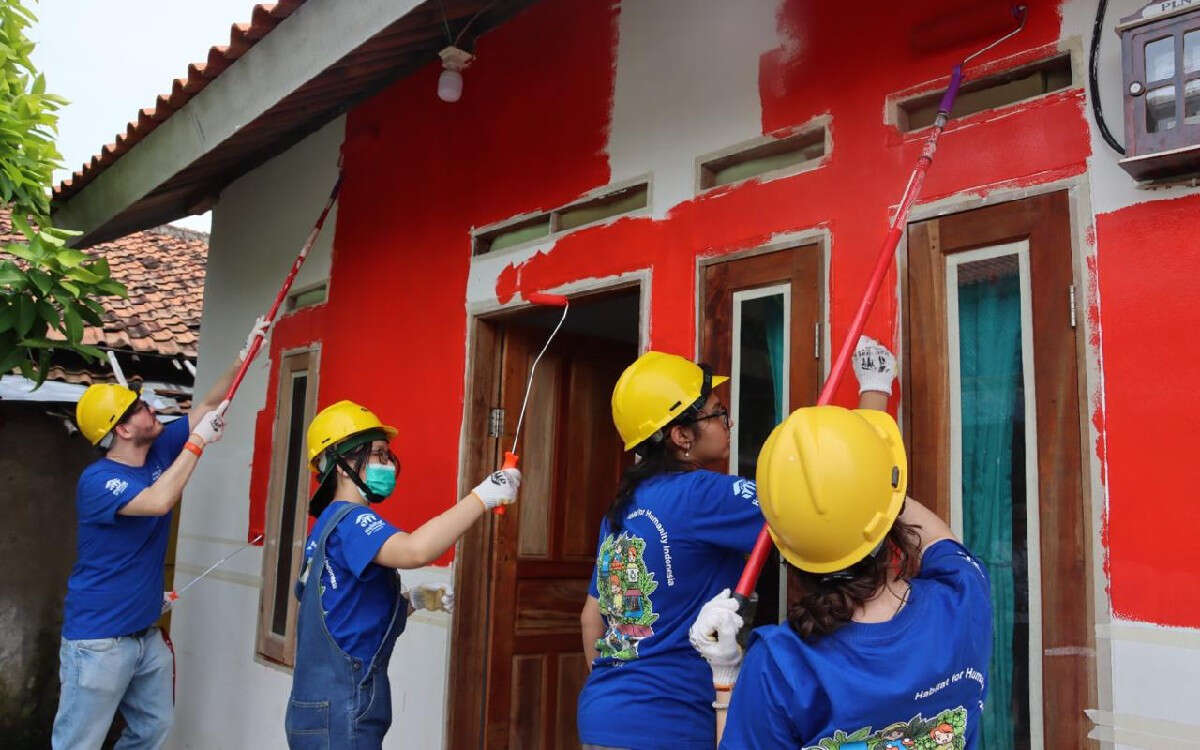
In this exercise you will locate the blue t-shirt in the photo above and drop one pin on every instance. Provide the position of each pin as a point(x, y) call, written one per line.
point(357, 595)
point(685, 537)
point(918, 679)
point(116, 586)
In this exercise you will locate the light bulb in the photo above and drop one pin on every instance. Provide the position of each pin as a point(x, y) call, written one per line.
point(450, 85)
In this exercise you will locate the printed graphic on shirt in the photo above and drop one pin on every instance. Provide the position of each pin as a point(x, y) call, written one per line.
point(946, 731)
point(116, 486)
point(746, 489)
point(625, 586)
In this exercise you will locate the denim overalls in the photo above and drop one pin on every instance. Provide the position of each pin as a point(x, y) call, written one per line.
point(337, 702)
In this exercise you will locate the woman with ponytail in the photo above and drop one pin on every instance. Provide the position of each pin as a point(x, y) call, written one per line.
point(677, 533)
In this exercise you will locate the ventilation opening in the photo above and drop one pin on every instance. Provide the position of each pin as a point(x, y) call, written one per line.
point(513, 234)
point(309, 296)
point(778, 155)
point(614, 202)
point(1013, 86)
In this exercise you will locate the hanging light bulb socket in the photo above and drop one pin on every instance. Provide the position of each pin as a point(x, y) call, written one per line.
point(450, 82)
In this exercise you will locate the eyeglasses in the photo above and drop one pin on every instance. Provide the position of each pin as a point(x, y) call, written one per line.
point(722, 413)
point(134, 409)
point(384, 456)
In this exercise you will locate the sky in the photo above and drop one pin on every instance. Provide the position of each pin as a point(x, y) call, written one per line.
point(110, 58)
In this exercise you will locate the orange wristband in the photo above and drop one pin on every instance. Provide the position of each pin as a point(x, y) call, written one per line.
point(196, 449)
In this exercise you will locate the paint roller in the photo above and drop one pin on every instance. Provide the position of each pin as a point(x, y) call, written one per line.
point(547, 300)
point(953, 30)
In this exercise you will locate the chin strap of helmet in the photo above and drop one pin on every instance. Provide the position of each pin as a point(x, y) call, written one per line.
point(354, 477)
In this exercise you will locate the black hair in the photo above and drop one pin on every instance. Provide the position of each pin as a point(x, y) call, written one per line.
point(829, 601)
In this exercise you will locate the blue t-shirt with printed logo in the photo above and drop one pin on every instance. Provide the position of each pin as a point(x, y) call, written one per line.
point(684, 538)
point(116, 586)
point(918, 679)
point(357, 595)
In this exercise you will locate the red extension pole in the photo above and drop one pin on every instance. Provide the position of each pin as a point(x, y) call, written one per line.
point(283, 290)
point(758, 556)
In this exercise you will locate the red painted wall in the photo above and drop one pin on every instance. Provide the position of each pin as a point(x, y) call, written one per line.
point(1149, 260)
point(530, 134)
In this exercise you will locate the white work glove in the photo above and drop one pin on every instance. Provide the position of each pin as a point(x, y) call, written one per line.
point(874, 366)
point(432, 598)
point(714, 635)
point(211, 426)
point(500, 488)
point(261, 327)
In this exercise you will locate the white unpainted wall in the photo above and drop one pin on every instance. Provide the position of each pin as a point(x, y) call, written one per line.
point(226, 697)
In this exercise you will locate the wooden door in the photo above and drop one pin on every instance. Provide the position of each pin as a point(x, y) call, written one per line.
point(753, 309)
point(544, 548)
point(1033, 237)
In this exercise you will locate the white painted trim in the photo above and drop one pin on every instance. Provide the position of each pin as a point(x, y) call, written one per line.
point(1143, 731)
point(1157, 635)
point(1032, 505)
point(301, 47)
point(735, 374)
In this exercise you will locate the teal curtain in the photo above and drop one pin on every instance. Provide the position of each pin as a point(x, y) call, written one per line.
point(773, 319)
point(989, 314)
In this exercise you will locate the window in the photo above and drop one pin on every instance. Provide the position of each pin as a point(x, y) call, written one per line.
point(311, 295)
point(611, 202)
point(287, 508)
point(768, 158)
point(1013, 86)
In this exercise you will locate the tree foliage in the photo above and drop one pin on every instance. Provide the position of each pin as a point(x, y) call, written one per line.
point(48, 291)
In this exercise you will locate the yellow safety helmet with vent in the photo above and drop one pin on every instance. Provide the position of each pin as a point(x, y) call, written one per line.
point(334, 424)
point(100, 407)
point(656, 389)
point(830, 483)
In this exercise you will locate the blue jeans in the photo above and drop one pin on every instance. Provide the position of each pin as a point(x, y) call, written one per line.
point(100, 676)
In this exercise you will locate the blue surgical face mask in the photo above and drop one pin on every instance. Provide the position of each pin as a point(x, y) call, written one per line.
point(380, 479)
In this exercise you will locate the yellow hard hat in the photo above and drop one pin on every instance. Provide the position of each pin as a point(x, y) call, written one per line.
point(99, 408)
point(654, 390)
point(335, 423)
point(830, 483)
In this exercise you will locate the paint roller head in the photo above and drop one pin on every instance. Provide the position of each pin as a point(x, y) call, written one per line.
point(550, 300)
point(969, 23)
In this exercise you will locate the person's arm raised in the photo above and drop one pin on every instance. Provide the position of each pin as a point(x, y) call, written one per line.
point(431, 540)
point(160, 497)
point(929, 527)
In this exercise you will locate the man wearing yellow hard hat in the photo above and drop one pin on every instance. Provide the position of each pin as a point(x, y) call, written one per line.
point(676, 533)
point(890, 641)
point(112, 657)
point(352, 607)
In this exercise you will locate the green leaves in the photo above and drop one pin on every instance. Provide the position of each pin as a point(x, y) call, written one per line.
point(49, 287)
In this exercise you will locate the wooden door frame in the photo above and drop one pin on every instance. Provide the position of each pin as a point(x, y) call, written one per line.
point(1045, 219)
point(819, 237)
point(469, 651)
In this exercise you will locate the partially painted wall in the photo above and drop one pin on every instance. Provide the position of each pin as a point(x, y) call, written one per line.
point(571, 96)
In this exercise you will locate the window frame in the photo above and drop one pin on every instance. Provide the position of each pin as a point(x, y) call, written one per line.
point(269, 645)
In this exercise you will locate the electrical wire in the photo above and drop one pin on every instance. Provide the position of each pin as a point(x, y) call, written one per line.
point(1094, 80)
point(478, 13)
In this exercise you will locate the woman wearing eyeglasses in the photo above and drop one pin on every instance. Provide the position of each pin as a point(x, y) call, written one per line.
point(676, 535)
point(351, 605)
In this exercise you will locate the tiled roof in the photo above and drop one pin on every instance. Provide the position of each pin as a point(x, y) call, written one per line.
point(163, 269)
point(242, 36)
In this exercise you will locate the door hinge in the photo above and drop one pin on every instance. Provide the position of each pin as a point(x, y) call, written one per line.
point(1072, 294)
point(817, 340)
point(495, 423)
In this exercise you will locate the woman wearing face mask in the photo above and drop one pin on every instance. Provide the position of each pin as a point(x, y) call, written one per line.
point(354, 609)
point(676, 534)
